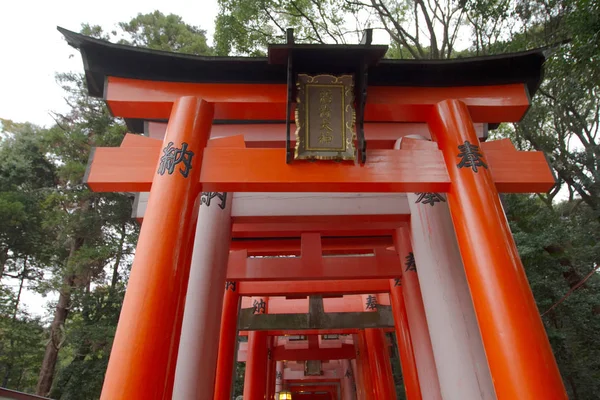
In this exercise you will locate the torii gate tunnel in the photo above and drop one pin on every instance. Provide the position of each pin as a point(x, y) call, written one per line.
point(382, 214)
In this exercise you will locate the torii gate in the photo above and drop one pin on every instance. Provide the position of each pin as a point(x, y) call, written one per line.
point(415, 222)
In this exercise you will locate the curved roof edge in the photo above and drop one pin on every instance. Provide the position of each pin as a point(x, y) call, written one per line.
point(102, 59)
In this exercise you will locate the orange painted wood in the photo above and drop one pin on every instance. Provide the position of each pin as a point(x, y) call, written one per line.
point(404, 340)
point(384, 264)
point(228, 142)
point(135, 140)
point(227, 169)
point(159, 273)
point(227, 343)
point(362, 359)
point(299, 305)
point(271, 369)
point(379, 135)
point(305, 288)
point(518, 352)
point(379, 360)
point(132, 98)
point(132, 90)
point(255, 378)
point(280, 353)
point(331, 225)
point(385, 170)
point(513, 171)
point(415, 313)
point(500, 144)
point(292, 246)
point(287, 332)
point(417, 144)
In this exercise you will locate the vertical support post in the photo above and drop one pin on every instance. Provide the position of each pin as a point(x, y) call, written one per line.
point(279, 377)
point(159, 273)
point(518, 352)
point(255, 379)
point(405, 346)
point(415, 312)
point(457, 348)
point(199, 344)
point(271, 342)
point(362, 358)
point(357, 371)
point(227, 342)
point(357, 375)
point(379, 361)
point(347, 381)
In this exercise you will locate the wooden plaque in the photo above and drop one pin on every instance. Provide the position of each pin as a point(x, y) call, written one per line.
point(325, 117)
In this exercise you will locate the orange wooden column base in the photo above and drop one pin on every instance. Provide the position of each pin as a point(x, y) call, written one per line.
point(405, 347)
point(362, 358)
point(379, 360)
point(517, 348)
point(255, 379)
point(227, 342)
point(144, 352)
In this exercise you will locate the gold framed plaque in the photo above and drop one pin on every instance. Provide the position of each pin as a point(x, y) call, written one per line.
point(325, 117)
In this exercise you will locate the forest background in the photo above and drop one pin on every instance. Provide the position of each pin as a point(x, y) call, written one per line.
point(57, 237)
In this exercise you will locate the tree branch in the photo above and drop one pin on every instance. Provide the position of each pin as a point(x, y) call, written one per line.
point(574, 288)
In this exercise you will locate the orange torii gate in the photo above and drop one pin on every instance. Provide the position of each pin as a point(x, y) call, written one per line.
point(231, 204)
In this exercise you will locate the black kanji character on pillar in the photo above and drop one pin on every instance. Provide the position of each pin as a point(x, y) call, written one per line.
point(470, 156)
point(173, 156)
point(206, 197)
point(429, 198)
point(260, 307)
point(268, 354)
point(397, 281)
point(348, 374)
point(230, 285)
point(371, 303)
point(410, 262)
point(278, 375)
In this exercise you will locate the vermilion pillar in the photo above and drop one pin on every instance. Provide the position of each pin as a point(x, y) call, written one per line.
point(362, 359)
point(271, 368)
point(517, 348)
point(349, 392)
point(199, 344)
point(415, 312)
point(145, 345)
point(381, 367)
point(357, 371)
point(403, 337)
point(255, 380)
point(279, 377)
point(227, 342)
point(457, 347)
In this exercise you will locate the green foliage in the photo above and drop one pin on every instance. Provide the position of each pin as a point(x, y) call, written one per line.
point(559, 246)
point(57, 236)
point(165, 32)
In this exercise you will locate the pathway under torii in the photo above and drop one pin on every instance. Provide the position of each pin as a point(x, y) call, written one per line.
point(314, 262)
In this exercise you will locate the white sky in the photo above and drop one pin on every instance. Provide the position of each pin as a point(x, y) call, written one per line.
point(32, 50)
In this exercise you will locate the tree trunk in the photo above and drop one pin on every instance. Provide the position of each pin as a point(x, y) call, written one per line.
point(9, 365)
point(3, 259)
point(115, 274)
point(55, 341)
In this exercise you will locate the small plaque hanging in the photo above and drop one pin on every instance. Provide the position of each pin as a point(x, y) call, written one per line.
point(325, 117)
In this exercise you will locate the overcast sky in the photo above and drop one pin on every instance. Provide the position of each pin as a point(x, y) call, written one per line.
point(32, 50)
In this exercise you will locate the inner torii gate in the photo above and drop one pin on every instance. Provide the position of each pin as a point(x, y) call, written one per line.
point(409, 237)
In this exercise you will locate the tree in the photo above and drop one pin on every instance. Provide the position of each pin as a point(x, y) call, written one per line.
point(94, 232)
point(559, 245)
point(417, 28)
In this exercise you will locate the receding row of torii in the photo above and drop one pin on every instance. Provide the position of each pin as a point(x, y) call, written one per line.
point(313, 256)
